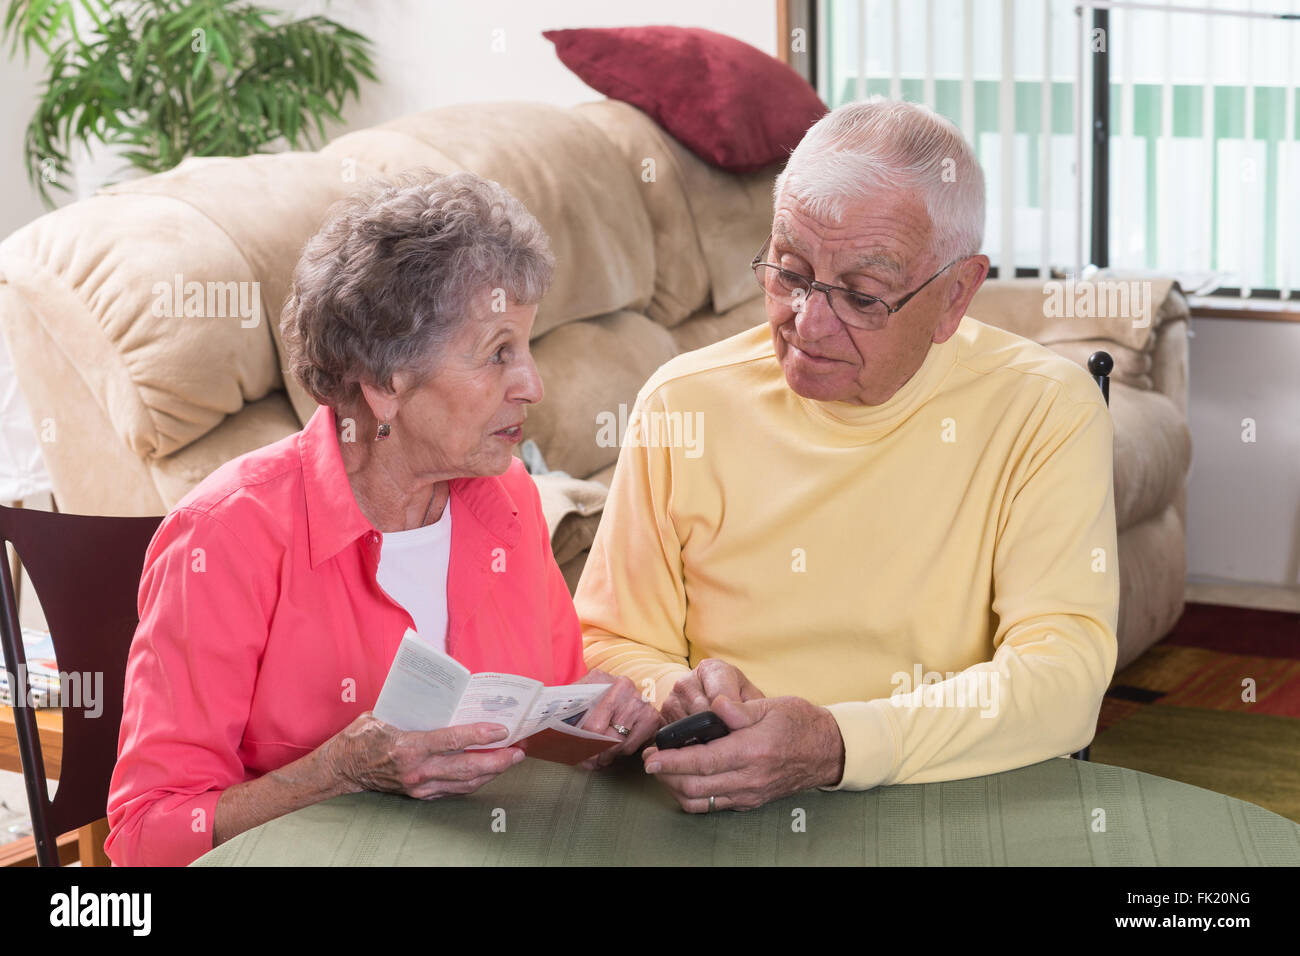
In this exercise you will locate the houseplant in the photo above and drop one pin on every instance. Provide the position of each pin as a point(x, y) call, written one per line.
point(159, 80)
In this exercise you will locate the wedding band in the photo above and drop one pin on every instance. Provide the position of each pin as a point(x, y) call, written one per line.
point(622, 730)
point(711, 804)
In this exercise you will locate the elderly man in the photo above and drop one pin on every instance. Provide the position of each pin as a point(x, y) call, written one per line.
point(894, 559)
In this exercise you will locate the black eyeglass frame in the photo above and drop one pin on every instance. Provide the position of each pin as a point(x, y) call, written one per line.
point(826, 289)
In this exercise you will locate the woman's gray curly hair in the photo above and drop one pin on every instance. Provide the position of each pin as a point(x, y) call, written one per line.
point(396, 269)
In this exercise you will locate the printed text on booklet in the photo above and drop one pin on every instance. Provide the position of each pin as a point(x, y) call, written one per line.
point(427, 690)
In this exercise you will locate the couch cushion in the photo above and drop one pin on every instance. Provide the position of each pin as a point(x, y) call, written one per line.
point(706, 326)
point(93, 470)
point(1169, 363)
point(386, 152)
point(1153, 451)
point(589, 369)
point(733, 215)
point(1057, 311)
point(268, 207)
point(163, 380)
point(569, 175)
point(256, 424)
point(1153, 568)
point(681, 278)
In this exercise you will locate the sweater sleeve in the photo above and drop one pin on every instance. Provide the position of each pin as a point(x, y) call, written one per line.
point(631, 599)
point(1056, 597)
point(193, 663)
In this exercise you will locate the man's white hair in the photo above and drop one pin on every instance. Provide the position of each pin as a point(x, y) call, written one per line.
point(890, 144)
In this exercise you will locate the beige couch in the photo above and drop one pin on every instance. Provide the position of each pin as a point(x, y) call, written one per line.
point(652, 249)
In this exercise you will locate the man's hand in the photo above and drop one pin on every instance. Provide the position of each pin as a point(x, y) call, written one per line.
point(777, 746)
point(711, 678)
point(622, 705)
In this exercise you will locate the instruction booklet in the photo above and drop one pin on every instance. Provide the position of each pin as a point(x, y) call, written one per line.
point(429, 690)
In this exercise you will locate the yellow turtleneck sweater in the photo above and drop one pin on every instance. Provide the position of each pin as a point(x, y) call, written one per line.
point(963, 533)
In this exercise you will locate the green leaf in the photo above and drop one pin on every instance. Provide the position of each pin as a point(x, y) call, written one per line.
point(182, 42)
point(199, 64)
point(128, 80)
point(219, 47)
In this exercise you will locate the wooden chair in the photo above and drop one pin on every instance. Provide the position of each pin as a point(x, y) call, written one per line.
point(86, 571)
point(1100, 365)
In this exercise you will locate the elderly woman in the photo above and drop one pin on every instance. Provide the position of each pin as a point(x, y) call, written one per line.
point(275, 594)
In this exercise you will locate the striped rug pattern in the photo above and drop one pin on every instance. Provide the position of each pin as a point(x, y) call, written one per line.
point(1216, 704)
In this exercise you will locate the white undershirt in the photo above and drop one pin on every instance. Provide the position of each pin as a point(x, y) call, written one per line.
point(413, 570)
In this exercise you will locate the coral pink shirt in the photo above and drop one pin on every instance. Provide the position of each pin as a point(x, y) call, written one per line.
point(263, 631)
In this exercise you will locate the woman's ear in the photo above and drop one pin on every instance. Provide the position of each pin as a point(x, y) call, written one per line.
point(382, 402)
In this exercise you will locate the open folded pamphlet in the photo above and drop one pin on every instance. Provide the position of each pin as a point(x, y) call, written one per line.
point(428, 690)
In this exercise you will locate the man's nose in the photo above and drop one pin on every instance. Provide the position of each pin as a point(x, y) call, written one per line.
point(813, 317)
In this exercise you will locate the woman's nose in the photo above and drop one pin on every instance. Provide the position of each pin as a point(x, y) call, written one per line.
point(530, 388)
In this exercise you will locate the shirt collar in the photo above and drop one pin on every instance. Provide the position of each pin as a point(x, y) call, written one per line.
point(334, 519)
point(869, 422)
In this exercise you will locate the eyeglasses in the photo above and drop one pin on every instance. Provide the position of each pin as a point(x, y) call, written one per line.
point(856, 309)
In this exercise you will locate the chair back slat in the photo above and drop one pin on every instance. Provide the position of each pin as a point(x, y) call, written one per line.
point(1100, 365)
point(86, 572)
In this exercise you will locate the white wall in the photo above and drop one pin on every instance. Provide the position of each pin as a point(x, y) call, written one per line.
point(433, 53)
point(19, 84)
point(1243, 498)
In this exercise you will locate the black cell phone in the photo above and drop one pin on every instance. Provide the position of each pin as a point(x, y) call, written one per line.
point(696, 729)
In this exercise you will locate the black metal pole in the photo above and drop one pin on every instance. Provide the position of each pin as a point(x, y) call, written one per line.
point(1100, 47)
point(813, 52)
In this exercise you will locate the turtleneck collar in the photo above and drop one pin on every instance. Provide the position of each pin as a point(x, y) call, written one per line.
point(869, 422)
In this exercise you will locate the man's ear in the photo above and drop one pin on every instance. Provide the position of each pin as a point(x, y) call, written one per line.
point(969, 276)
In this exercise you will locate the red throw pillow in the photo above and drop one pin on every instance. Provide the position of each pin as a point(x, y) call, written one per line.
point(728, 102)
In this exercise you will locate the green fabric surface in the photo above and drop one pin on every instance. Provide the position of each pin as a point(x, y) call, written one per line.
point(558, 816)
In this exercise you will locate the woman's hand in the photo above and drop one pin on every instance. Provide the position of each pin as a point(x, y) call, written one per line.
point(621, 706)
point(371, 755)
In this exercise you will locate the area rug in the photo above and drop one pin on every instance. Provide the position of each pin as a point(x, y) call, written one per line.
point(1216, 704)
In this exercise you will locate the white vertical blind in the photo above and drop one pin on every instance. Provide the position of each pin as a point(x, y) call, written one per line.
point(860, 82)
point(1248, 174)
point(895, 52)
point(1007, 141)
point(1045, 150)
point(968, 71)
point(1287, 189)
point(1165, 146)
point(927, 90)
point(1223, 204)
point(1121, 148)
point(1081, 129)
point(1207, 137)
